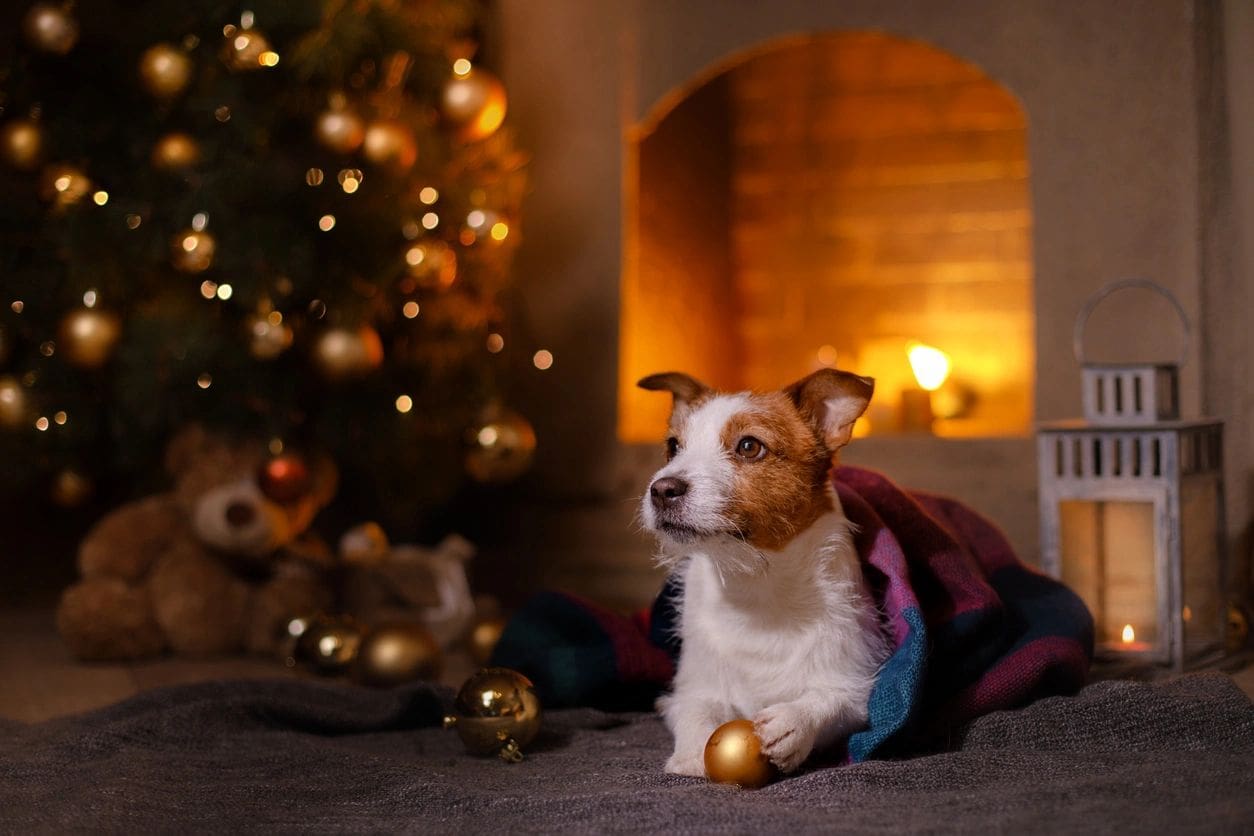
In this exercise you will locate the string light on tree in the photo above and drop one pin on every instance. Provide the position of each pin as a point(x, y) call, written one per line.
point(350, 179)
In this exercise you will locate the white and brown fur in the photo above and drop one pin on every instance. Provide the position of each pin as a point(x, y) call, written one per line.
point(776, 620)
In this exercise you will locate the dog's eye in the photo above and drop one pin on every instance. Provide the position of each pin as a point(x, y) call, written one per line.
point(750, 448)
point(672, 447)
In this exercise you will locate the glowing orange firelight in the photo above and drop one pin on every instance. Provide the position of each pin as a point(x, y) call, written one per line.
point(1128, 635)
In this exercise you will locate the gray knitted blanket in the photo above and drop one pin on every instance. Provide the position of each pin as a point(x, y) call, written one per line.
point(290, 756)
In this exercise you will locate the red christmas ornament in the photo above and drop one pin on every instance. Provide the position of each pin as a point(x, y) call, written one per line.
point(284, 478)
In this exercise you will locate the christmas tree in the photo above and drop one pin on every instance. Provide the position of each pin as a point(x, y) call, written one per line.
point(285, 220)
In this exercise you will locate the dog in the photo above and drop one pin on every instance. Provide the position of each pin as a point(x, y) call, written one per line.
point(776, 620)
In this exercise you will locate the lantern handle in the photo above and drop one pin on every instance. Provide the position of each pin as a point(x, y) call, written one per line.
point(1082, 318)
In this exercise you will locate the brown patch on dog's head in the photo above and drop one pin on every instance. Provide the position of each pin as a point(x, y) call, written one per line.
point(780, 472)
point(783, 448)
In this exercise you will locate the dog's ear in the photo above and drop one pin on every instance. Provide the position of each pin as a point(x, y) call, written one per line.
point(830, 401)
point(685, 388)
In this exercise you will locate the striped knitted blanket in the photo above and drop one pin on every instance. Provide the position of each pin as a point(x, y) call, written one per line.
point(974, 629)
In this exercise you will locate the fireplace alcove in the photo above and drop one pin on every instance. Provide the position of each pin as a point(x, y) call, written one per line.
point(829, 201)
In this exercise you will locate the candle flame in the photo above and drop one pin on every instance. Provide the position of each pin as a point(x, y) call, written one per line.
point(1129, 635)
point(929, 364)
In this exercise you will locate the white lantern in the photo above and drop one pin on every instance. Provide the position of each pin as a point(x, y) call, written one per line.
point(1131, 501)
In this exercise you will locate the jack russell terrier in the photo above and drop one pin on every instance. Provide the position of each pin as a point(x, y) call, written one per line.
point(777, 623)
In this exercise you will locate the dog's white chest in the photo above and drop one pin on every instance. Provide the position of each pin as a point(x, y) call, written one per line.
point(768, 640)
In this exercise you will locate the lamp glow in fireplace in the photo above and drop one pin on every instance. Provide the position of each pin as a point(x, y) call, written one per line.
point(930, 366)
point(1131, 502)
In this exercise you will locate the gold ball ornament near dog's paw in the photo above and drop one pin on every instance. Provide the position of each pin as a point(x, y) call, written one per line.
point(496, 712)
point(733, 755)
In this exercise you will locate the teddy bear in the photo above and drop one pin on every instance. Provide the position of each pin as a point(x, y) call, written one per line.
point(217, 565)
point(380, 582)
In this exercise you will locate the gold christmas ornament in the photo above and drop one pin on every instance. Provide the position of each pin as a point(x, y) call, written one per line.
point(165, 70)
point(268, 335)
point(432, 264)
point(289, 636)
point(70, 488)
point(340, 130)
point(390, 144)
point(21, 140)
point(191, 251)
point(483, 638)
point(63, 185)
point(500, 447)
point(14, 405)
point(344, 353)
point(393, 654)
point(734, 755)
point(87, 337)
point(473, 104)
point(365, 545)
point(248, 49)
point(328, 645)
point(175, 151)
point(50, 28)
point(496, 712)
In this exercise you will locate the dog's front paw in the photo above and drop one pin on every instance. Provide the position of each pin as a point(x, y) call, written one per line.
point(686, 764)
point(787, 733)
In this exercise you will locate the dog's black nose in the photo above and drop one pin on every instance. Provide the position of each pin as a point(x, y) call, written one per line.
point(240, 514)
point(667, 491)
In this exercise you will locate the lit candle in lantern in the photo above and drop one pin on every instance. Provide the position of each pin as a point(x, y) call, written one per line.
point(1128, 639)
point(931, 367)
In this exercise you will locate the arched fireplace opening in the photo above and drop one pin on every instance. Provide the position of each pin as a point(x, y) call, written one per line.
point(839, 200)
